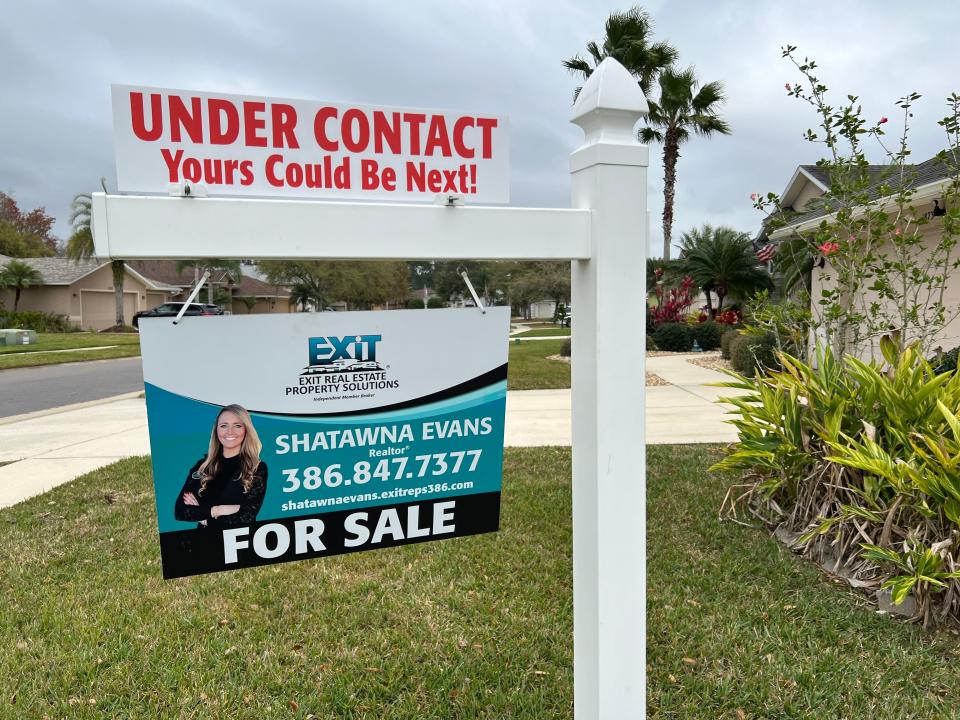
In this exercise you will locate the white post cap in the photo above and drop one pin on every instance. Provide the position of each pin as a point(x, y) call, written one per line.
point(609, 105)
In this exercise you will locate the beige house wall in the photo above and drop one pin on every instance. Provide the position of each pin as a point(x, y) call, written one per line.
point(808, 192)
point(264, 305)
point(49, 299)
point(947, 338)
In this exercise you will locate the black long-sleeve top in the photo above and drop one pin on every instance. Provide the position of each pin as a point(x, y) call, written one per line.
point(224, 488)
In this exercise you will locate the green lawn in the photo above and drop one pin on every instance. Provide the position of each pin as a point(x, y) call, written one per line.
point(545, 332)
point(530, 370)
point(737, 623)
point(468, 628)
point(476, 627)
point(127, 345)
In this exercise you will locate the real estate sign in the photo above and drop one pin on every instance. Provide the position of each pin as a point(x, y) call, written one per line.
point(251, 145)
point(278, 438)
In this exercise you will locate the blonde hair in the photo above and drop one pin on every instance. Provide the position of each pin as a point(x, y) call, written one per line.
point(249, 451)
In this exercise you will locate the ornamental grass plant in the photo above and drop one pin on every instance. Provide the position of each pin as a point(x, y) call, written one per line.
point(860, 464)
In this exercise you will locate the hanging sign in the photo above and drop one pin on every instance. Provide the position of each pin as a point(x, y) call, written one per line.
point(285, 437)
point(250, 145)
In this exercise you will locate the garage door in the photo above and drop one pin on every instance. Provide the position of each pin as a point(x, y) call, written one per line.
point(99, 309)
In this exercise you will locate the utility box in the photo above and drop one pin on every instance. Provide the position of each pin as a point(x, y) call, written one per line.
point(18, 337)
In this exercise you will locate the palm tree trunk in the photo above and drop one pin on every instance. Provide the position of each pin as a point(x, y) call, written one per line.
point(671, 153)
point(119, 270)
point(16, 298)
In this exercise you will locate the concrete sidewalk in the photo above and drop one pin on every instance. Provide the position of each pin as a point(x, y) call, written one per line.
point(51, 447)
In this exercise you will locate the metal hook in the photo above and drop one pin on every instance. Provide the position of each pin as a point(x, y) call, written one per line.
point(196, 291)
point(462, 271)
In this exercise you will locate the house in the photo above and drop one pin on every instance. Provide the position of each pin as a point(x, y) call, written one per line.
point(249, 295)
point(930, 181)
point(83, 290)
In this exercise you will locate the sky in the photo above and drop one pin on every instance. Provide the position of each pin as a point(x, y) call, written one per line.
point(499, 57)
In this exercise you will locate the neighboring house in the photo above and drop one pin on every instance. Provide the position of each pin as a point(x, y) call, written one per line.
point(929, 181)
point(269, 298)
point(83, 291)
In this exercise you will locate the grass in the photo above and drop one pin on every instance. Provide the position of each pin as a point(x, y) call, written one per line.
point(530, 370)
point(545, 332)
point(476, 627)
point(737, 624)
point(12, 356)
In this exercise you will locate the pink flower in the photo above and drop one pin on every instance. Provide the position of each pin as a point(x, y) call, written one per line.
point(753, 196)
point(882, 120)
point(829, 248)
point(787, 86)
point(898, 232)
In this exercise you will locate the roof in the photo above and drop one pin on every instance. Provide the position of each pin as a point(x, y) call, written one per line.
point(251, 287)
point(925, 173)
point(59, 270)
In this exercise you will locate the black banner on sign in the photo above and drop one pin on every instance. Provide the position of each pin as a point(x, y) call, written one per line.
point(194, 552)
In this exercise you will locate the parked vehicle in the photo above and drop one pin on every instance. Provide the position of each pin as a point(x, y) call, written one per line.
point(564, 317)
point(172, 309)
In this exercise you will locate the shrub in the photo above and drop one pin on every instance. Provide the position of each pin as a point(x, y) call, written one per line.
point(565, 348)
point(673, 337)
point(725, 340)
point(35, 320)
point(707, 335)
point(651, 344)
point(435, 302)
point(414, 304)
point(751, 352)
point(861, 458)
point(947, 362)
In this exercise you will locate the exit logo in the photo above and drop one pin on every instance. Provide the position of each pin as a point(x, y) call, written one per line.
point(350, 352)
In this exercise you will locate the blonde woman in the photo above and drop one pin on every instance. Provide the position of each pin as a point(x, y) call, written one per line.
point(225, 488)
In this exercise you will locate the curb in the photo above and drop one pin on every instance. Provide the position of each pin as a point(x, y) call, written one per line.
point(67, 408)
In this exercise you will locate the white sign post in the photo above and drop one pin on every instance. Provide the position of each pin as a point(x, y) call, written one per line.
point(606, 237)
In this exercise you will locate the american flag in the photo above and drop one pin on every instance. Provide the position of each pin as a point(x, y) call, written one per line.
point(766, 253)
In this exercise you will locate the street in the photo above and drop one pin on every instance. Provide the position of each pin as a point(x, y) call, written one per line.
point(24, 390)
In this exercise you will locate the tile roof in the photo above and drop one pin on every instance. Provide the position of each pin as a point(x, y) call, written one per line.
point(252, 287)
point(59, 270)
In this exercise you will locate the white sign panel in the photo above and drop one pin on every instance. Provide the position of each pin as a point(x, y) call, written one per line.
point(249, 145)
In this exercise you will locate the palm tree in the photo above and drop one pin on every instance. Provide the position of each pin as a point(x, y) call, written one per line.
point(18, 276)
point(722, 260)
point(627, 40)
point(680, 110)
point(80, 247)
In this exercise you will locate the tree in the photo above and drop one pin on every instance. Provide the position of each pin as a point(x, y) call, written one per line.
point(722, 260)
point(80, 247)
point(230, 268)
point(627, 40)
point(25, 234)
point(18, 276)
point(249, 302)
point(680, 110)
point(358, 283)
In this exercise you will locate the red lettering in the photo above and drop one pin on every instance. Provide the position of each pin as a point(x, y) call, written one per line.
point(458, 129)
point(415, 120)
point(173, 162)
point(437, 137)
point(369, 179)
point(320, 129)
point(383, 130)
point(137, 119)
point(213, 171)
point(284, 123)
point(218, 111)
point(314, 176)
point(272, 177)
point(433, 181)
point(246, 169)
point(252, 122)
point(192, 171)
point(190, 120)
point(355, 130)
point(230, 167)
point(294, 175)
point(487, 125)
point(388, 179)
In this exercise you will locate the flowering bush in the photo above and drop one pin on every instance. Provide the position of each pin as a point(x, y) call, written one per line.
point(673, 303)
point(729, 317)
